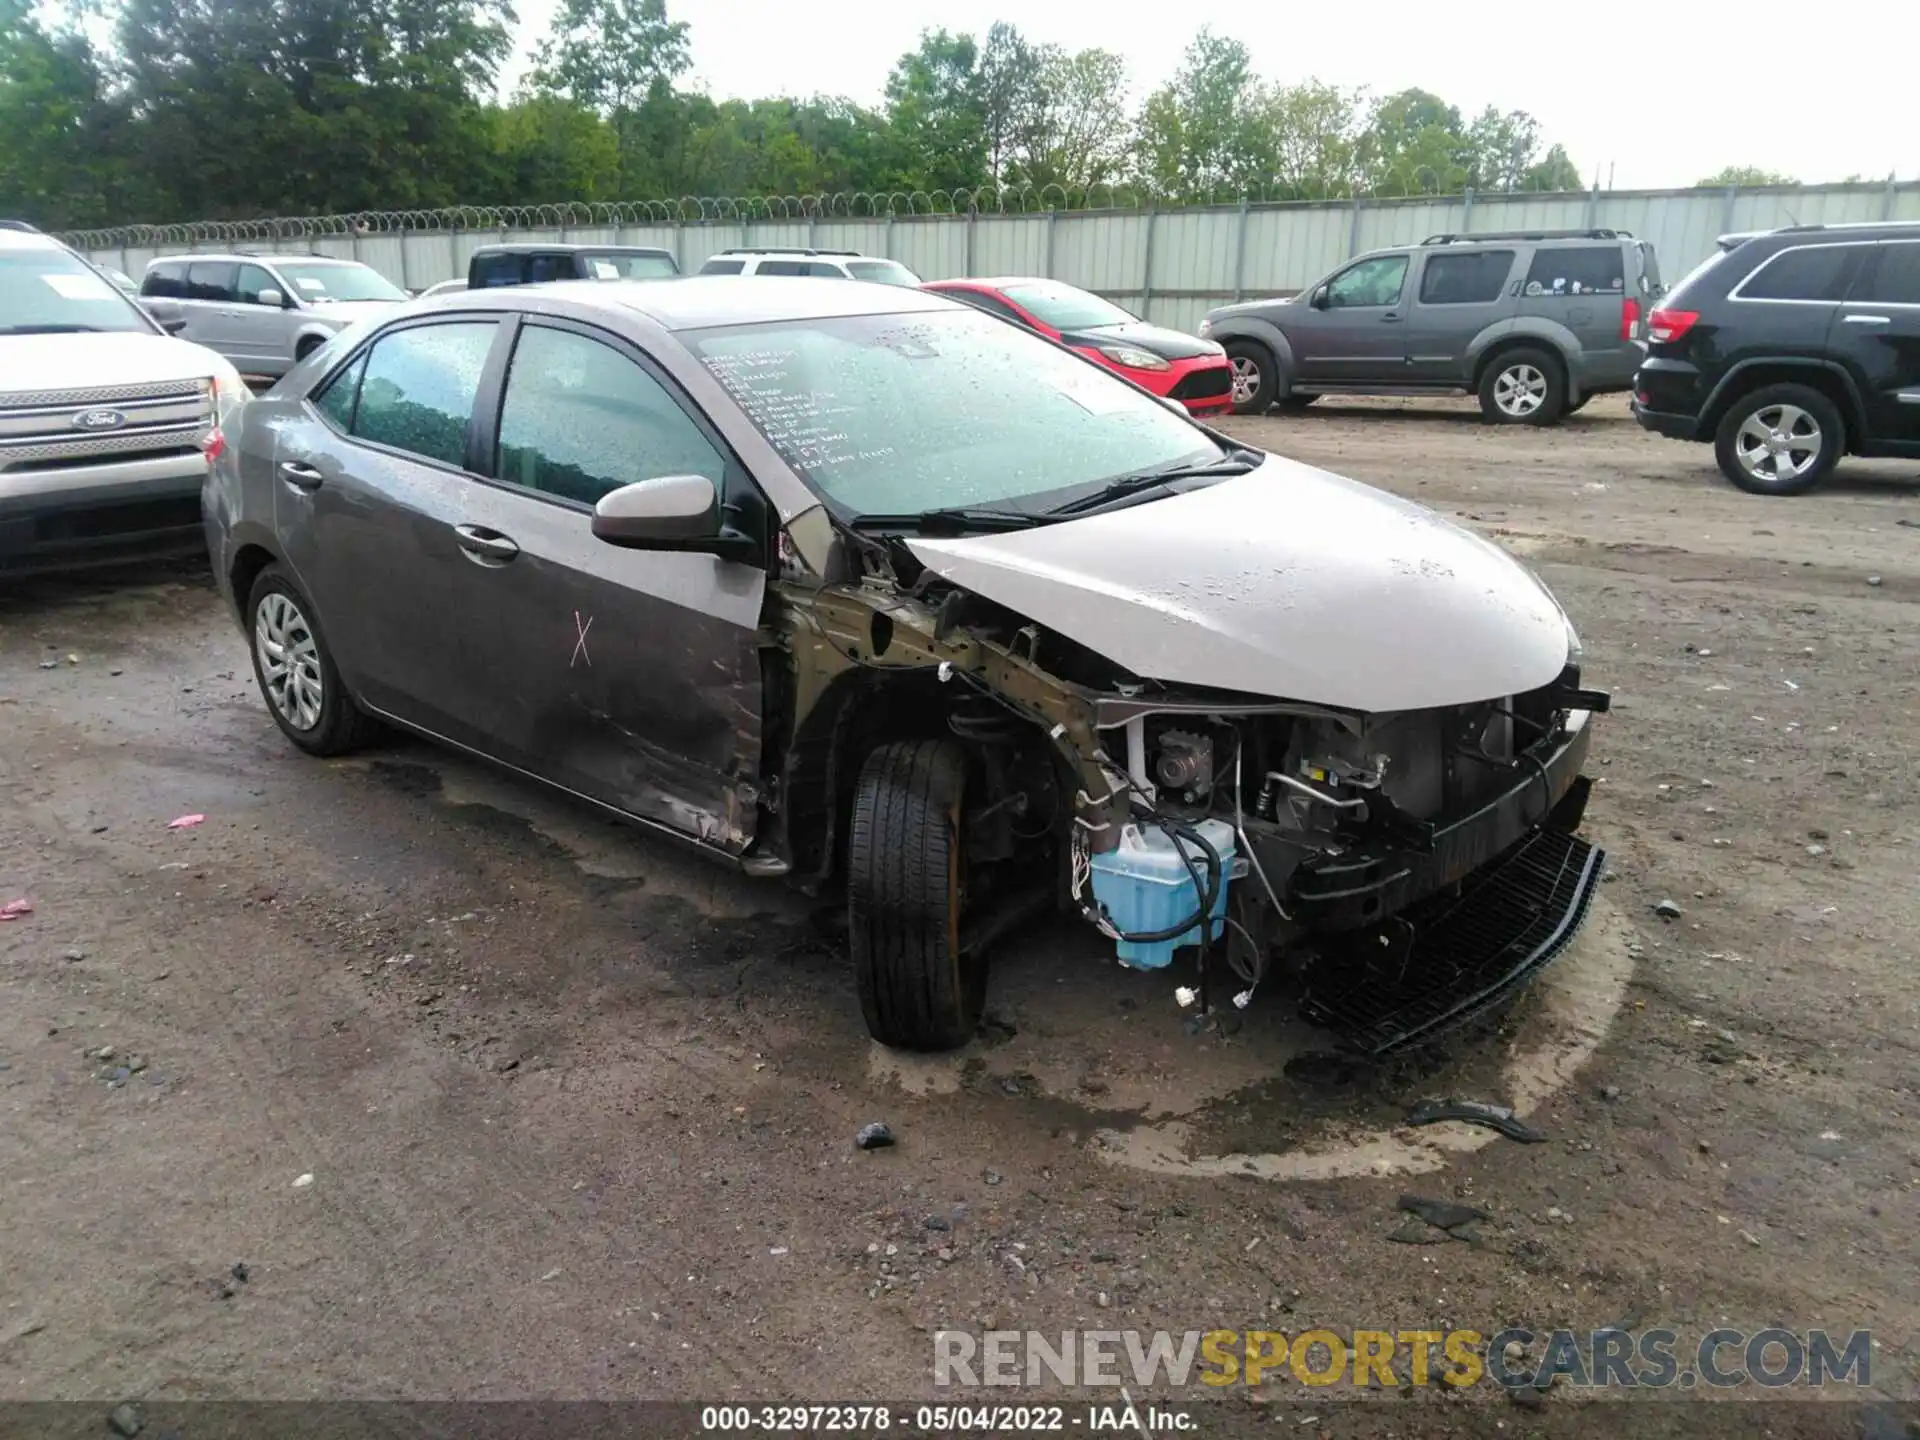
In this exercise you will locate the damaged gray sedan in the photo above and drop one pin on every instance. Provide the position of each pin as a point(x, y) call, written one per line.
point(860, 587)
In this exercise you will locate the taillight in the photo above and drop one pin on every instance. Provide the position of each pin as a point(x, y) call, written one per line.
point(1629, 319)
point(214, 446)
point(1664, 327)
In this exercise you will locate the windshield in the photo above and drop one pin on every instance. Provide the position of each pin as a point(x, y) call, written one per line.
point(901, 414)
point(1065, 308)
point(887, 272)
point(319, 284)
point(46, 291)
point(631, 267)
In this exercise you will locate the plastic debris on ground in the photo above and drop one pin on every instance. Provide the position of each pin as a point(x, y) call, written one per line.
point(16, 909)
point(185, 822)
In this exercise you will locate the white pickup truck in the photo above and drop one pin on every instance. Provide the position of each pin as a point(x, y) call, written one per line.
point(105, 419)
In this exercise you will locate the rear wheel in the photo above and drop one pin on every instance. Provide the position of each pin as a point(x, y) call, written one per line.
point(296, 672)
point(1780, 440)
point(1256, 377)
point(307, 346)
point(906, 890)
point(1523, 387)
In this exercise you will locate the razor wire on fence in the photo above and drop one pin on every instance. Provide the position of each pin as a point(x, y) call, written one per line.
point(698, 209)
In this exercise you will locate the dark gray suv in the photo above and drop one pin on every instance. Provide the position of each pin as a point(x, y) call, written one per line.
point(1534, 323)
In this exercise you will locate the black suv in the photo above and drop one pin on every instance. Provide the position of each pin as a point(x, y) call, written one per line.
point(495, 265)
point(1789, 349)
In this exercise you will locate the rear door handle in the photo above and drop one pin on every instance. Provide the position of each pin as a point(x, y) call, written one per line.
point(303, 477)
point(1390, 318)
point(1869, 319)
point(485, 545)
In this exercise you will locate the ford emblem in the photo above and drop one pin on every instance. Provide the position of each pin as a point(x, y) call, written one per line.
point(99, 420)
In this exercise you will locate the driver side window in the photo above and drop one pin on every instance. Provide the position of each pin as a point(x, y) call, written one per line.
point(579, 419)
point(1371, 283)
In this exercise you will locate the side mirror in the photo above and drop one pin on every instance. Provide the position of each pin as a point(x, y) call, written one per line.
point(271, 297)
point(1319, 300)
point(167, 314)
point(670, 512)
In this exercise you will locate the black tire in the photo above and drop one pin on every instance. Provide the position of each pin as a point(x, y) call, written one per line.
point(1534, 373)
point(1809, 417)
point(337, 724)
point(307, 346)
point(906, 883)
point(1251, 359)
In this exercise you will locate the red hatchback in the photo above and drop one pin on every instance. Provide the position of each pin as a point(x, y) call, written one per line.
point(1194, 372)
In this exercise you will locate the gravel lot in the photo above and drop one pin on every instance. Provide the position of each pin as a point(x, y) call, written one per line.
point(578, 1108)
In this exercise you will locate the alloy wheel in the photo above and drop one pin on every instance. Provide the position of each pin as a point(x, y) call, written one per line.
point(289, 660)
point(1519, 390)
point(1778, 442)
point(1246, 380)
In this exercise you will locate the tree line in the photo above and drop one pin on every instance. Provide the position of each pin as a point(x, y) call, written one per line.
point(208, 109)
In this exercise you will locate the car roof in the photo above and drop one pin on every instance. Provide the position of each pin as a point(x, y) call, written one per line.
point(698, 302)
point(249, 257)
point(11, 239)
point(568, 247)
point(1001, 282)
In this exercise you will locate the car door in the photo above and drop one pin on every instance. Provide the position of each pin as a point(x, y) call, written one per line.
point(262, 331)
point(1878, 339)
point(371, 489)
point(1457, 294)
point(631, 677)
point(1351, 330)
point(210, 308)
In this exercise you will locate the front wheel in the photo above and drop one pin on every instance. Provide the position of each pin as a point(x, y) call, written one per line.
point(906, 889)
point(1256, 377)
point(1523, 387)
point(1780, 440)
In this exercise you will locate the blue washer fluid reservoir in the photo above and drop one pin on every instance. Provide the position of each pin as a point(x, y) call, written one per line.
point(1143, 885)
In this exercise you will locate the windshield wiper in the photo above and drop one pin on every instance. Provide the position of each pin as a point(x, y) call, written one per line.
point(50, 330)
point(955, 521)
point(1239, 462)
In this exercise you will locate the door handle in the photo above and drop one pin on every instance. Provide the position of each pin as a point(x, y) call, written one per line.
point(303, 477)
point(1868, 319)
point(485, 545)
point(1390, 318)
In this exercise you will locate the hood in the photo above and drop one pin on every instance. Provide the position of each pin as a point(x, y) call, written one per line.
point(346, 312)
point(1287, 582)
point(1250, 307)
point(76, 362)
point(1167, 344)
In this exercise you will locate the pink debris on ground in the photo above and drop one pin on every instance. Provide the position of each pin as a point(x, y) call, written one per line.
point(15, 909)
point(185, 822)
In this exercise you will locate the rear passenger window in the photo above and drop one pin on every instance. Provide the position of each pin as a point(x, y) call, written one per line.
point(580, 419)
point(826, 271)
point(418, 389)
point(1809, 272)
point(1470, 279)
point(1896, 276)
point(1577, 270)
point(165, 282)
point(722, 267)
point(494, 270)
point(211, 280)
point(336, 402)
point(782, 267)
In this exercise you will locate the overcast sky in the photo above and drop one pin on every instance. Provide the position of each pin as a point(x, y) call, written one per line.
point(1703, 85)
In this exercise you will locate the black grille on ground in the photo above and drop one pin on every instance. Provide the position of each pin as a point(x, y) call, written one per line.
point(1451, 958)
point(1202, 384)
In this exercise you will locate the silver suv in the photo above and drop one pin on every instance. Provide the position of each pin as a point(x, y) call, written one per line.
point(106, 422)
point(266, 313)
point(1535, 323)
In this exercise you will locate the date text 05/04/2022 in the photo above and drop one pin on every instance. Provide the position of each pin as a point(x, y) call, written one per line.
point(1124, 1418)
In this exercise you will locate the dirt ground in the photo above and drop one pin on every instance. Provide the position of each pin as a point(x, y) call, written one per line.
point(494, 1099)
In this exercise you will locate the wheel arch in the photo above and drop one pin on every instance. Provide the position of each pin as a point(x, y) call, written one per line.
point(1506, 336)
point(1828, 377)
point(1262, 332)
